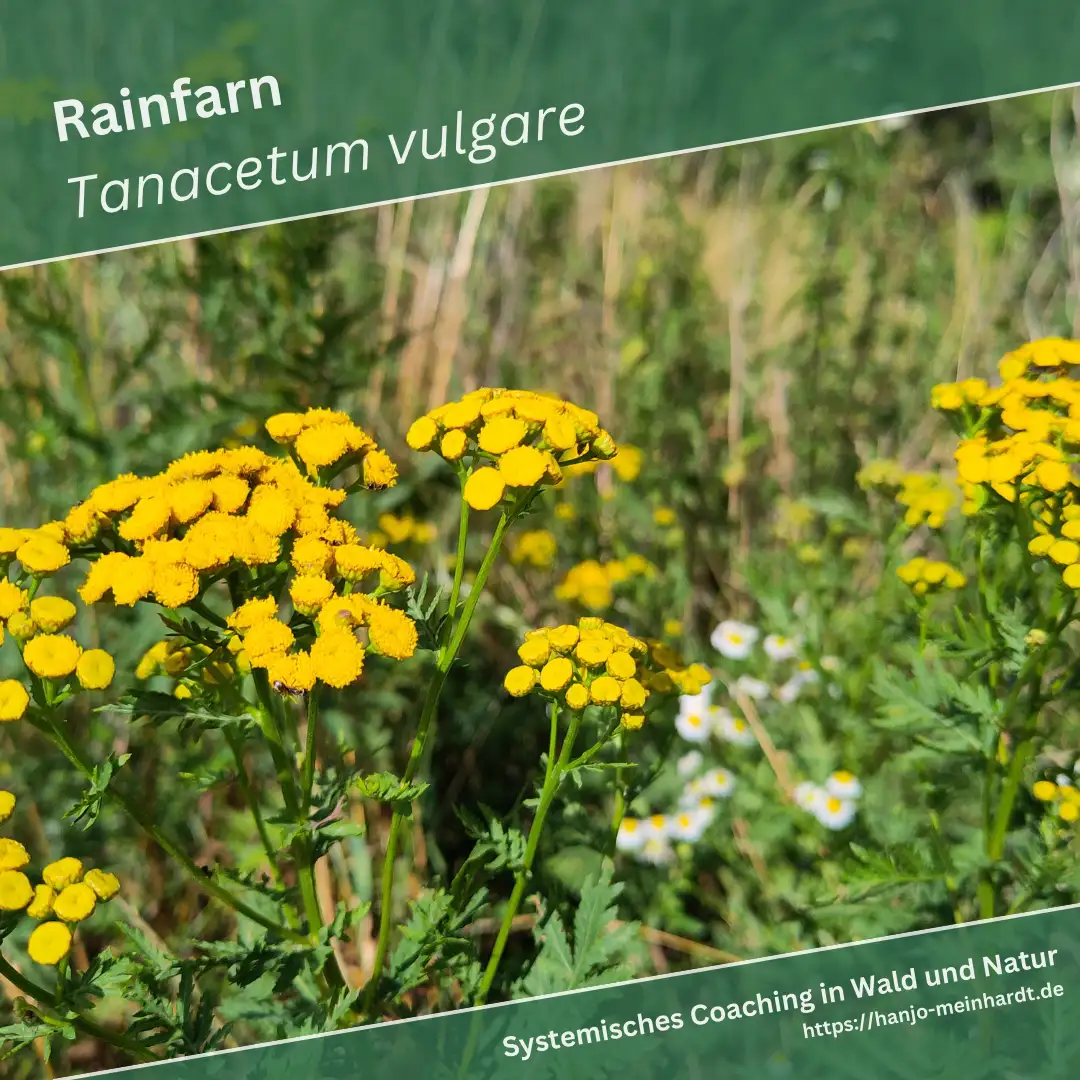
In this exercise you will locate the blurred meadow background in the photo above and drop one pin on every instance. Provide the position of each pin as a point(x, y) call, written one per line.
point(755, 326)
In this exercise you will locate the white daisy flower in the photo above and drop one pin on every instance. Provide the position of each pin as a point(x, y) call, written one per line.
point(807, 795)
point(734, 639)
point(788, 692)
point(692, 794)
point(777, 647)
point(693, 726)
point(655, 826)
point(732, 729)
point(690, 763)
point(834, 813)
point(754, 689)
point(717, 782)
point(843, 785)
point(632, 835)
point(689, 825)
point(656, 850)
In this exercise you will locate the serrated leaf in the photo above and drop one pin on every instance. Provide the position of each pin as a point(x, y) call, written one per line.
point(88, 809)
point(388, 788)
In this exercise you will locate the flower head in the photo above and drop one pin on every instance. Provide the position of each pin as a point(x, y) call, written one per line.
point(733, 639)
point(49, 943)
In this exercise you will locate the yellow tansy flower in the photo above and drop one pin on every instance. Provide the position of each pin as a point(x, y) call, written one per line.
point(49, 943)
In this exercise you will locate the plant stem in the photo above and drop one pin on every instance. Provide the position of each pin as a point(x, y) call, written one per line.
point(1029, 677)
point(446, 656)
point(87, 1026)
point(308, 773)
point(547, 795)
point(248, 791)
point(201, 878)
point(459, 566)
point(283, 763)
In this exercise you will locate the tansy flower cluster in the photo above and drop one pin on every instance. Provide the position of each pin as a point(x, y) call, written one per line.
point(36, 626)
point(597, 663)
point(925, 576)
point(213, 511)
point(792, 519)
point(1023, 431)
point(510, 441)
point(330, 643)
point(882, 473)
point(66, 895)
point(534, 547)
point(927, 499)
point(216, 514)
point(593, 583)
point(1062, 797)
point(834, 803)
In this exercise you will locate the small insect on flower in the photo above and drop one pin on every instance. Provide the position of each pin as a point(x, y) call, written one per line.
point(733, 639)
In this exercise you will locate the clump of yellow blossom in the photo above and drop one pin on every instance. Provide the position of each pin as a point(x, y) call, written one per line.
point(66, 895)
point(534, 547)
point(593, 583)
point(1063, 799)
point(597, 663)
point(924, 576)
point(793, 518)
point(1020, 444)
point(927, 497)
point(209, 515)
point(511, 441)
point(882, 473)
point(324, 438)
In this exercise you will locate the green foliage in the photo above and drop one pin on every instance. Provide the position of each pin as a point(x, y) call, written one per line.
point(774, 322)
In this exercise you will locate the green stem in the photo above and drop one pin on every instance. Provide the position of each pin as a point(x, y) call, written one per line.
point(150, 827)
point(87, 1026)
point(459, 566)
point(547, 796)
point(248, 791)
point(996, 824)
point(201, 609)
point(447, 655)
point(307, 776)
point(284, 764)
